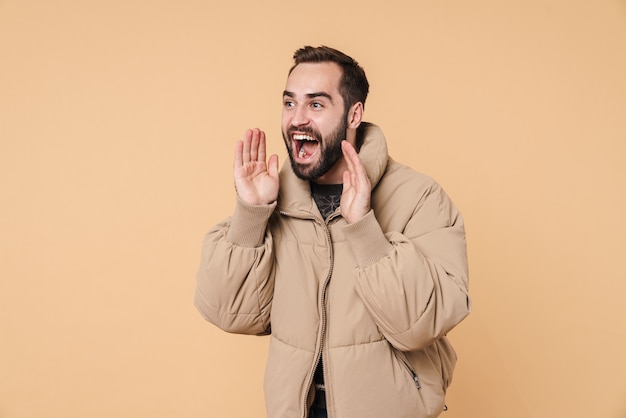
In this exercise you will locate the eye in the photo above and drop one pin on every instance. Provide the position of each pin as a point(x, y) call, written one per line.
point(317, 105)
point(288, 104)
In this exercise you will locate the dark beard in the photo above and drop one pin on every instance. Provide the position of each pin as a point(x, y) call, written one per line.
point(330, 151)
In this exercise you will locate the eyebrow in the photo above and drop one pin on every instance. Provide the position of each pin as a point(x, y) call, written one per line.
point(310, 95)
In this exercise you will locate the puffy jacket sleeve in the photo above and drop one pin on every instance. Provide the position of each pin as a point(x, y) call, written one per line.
point(414, 282)
point(235, 279)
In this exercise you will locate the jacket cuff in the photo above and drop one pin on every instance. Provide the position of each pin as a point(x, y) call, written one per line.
point(367, 240)
point(248, 224)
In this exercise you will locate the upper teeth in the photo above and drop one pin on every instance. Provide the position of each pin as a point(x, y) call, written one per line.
point(300, 137)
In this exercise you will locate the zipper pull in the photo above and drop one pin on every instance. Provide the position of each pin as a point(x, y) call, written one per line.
point(416, 380)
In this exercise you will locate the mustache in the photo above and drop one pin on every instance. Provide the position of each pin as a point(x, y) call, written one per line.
point(303, 129)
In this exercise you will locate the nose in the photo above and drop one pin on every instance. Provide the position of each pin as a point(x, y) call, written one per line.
point(300, 116)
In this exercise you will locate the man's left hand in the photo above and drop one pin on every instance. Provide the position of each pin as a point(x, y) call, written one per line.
point(357, 189)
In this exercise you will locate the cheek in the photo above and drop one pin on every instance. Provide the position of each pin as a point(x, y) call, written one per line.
point(329, 126)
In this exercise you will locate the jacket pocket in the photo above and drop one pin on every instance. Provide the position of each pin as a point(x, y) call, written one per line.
point(435, 364)
point(430, 393)
point(401, 356)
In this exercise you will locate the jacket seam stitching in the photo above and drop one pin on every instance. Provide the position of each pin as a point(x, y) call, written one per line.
point(291, 345)
point(383, 339)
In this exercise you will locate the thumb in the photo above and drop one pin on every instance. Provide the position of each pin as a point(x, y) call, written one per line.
point(273, 165)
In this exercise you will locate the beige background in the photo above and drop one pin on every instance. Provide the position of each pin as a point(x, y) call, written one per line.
point(117, 125)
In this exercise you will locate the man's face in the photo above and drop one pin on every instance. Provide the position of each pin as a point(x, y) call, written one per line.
point(314, 120)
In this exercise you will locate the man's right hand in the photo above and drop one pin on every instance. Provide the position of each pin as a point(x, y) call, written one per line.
point(256, 180)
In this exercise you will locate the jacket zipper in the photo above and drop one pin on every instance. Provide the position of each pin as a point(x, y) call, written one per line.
point(404, 361)
point(416, 380)
point(323, 302)
point(324, 320)
point(331, 253)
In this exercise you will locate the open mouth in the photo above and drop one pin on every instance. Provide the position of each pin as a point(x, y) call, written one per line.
point(305, 147)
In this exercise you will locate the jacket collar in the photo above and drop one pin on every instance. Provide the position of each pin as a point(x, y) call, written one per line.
point(295, 193)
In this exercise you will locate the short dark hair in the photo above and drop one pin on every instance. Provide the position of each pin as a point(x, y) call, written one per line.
point(353, 85)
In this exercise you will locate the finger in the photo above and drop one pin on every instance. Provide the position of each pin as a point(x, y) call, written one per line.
point(254, 145)
point(273, 166)
point(360, 180)
point(353, 162)
point(247, 138)
point(238, 154)
point(346, 148)
point(347, 182)
point(261, 151)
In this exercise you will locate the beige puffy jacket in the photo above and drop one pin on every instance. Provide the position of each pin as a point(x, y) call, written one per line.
point(375, 297)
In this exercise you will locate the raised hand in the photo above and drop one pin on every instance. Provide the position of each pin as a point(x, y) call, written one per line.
point(357, 189)
point(256, 180)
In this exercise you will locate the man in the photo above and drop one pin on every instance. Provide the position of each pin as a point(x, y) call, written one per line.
point(355, 264)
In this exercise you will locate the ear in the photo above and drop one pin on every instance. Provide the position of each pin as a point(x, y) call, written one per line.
point(355, 115)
